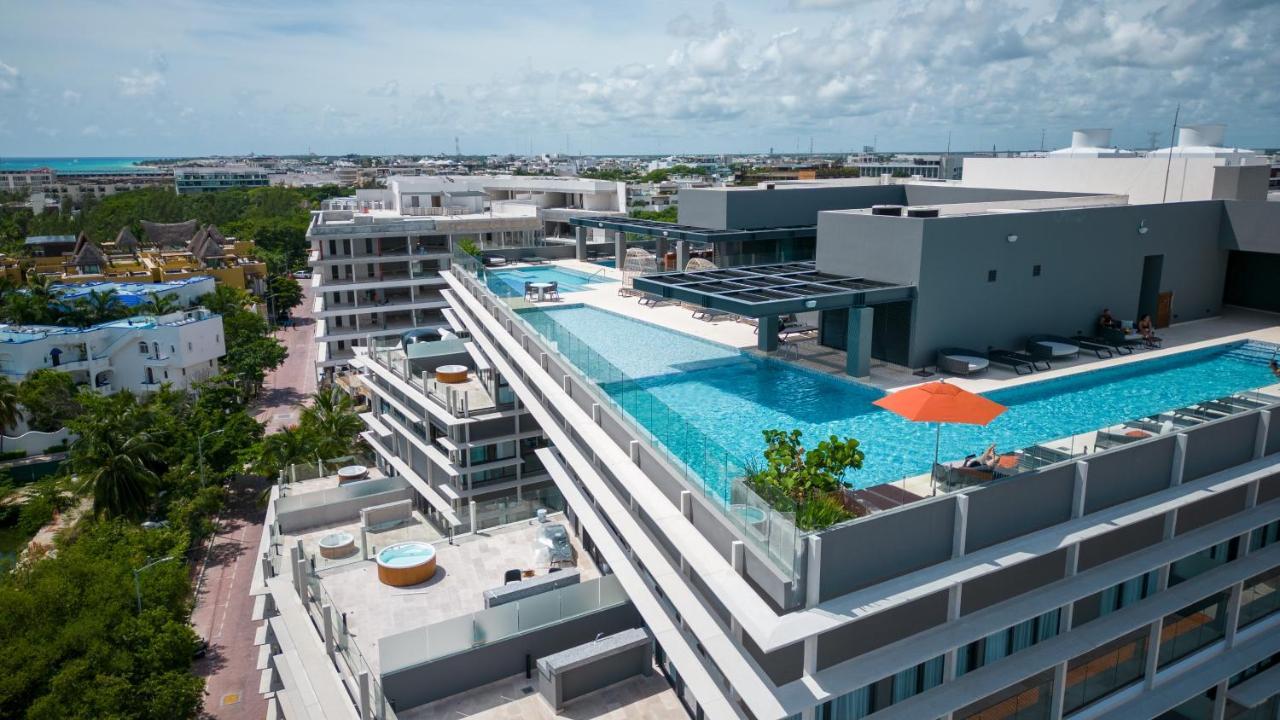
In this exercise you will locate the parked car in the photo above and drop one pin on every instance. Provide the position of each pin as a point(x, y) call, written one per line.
point(302, 274)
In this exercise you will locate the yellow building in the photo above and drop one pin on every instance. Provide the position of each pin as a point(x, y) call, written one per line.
point(173, 251)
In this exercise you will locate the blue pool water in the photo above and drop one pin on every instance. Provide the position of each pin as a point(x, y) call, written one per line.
point(509, 282)
point(406, 554)
point(704, 400)
point(610, 263)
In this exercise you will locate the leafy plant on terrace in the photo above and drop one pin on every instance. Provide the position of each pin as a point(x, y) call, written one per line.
point(810, 481)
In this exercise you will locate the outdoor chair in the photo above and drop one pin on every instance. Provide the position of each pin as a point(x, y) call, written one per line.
point(529, 292)
point(553, 292)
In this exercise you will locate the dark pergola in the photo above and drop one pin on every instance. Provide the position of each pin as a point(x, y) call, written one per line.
point(768, 291)
point(692, 233)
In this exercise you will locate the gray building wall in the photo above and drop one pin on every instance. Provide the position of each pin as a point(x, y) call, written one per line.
point(1089, 259)
point(925, 194)
point(752, 208)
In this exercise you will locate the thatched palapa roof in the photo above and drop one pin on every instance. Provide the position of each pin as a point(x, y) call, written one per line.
point(169, 236)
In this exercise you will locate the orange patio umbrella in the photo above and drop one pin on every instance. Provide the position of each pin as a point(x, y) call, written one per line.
point(938, 402)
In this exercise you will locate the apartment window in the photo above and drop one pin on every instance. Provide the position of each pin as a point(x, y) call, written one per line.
point(991, 276)
point(1006, 642)
point(333, 272)
point(142, 348)
point(346, 246)
point(1260, 597)
point(1035, 271)
point(342, 345)
point(333, 247)
point(1031, 699)
point(171, 349)
point(368, 246)
point(190, 347)
point(1105, 669)
point(1264, 536)
point(1207, 559)
point(1193, 627)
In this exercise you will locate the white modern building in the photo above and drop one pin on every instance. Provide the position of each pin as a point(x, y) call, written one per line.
point(1197, 168)
point(377, 256)
point(194, 180)
point(139, 353)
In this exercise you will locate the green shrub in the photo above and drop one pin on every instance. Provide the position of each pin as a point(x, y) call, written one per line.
point(807, 482)
point(12, 455)
point(35, 514)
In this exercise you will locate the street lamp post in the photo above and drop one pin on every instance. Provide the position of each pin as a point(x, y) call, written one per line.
point(137, 586)
point(200, 450)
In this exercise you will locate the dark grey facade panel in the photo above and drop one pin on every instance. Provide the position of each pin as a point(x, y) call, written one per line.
point(926, 194)
point(854, 639)
point(1117, 477)
point(783, 665)
point(1251, 226)
point(1121, 542)
point(1211, 509)
point(757, 208)
point(1220, 445)
point(1018, 508)
point(886, 545)
point(1013, 581)
point(1269, 488)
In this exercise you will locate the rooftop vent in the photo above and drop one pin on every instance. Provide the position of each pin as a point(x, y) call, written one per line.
point(886, 210)
point(922, 212)
point(1209, 135)
point(1091, 138)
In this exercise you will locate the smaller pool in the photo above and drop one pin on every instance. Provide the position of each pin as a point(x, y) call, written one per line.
point(511, 282)
point(610, 263)
point(407, 554)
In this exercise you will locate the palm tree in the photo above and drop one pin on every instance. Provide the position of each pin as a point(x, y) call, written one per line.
point(278, 451)
point(160, 304)
point(106, 306)
point(10, 411)
point(78, 314)
point(331, 422)
point(115, 465)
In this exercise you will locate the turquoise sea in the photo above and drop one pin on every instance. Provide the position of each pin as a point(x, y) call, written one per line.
point(74, 165)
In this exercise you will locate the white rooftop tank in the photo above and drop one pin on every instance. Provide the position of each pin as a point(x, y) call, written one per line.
point(1092, 143)
point(1206, 141)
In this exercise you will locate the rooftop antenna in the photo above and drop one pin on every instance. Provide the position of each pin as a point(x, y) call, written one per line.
point(1152, 136)
point(457, 149)
point(1169, 165)
point(1041, 139)
point(810, 144)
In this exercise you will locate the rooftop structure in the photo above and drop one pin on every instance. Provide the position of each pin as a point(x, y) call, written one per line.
point(166, 252)
point(376, 256)
point(1195, 169)
point(139, 353)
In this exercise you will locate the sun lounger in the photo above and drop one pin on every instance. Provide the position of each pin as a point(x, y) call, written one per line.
point(648, 299)
point(532, 259)
point(708, 314)
point(962, 361)
point(799, 329)
point(1093, 341)
point(494, 260)
point(1022, 363)
point(1051, 347)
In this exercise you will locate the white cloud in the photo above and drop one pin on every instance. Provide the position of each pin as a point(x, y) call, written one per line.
point(10, 79)
point(71, 97)
point(390, 88)
point(91, 131)
point(140, 84)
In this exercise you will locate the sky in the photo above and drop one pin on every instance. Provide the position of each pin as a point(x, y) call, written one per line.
point(185, 78)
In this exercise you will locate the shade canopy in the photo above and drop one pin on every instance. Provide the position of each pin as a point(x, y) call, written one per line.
point(940, 402)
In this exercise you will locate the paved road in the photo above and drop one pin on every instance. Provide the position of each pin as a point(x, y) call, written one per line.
point(224, 608)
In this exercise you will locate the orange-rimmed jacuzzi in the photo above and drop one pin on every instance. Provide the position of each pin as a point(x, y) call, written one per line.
point(406, 563)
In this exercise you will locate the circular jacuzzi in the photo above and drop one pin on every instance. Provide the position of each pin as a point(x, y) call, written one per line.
point(337, 545)
point(350, 473)
point(406, 563)
point(749, 515)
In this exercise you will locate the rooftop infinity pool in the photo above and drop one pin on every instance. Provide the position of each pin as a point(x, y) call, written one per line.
point(509, 283)
point(703, 400)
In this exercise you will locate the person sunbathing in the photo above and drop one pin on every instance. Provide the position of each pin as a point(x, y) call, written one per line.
point(987, 459)
point(1147, 330)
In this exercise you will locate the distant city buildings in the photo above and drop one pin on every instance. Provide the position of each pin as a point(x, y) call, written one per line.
point(194, 180)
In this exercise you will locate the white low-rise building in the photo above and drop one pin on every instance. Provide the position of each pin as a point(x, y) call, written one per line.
point(139, 354)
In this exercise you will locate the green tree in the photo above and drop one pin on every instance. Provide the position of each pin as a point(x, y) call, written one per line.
point(279, 450)
point(812, 480)
point(10, 410)
point(251, 349)
point(666, 214)
point(286, 293)
point(158, 304)
point(105, 306)
point(51, 399)
point(115, 465)
point(468, 246)
point(331, 423)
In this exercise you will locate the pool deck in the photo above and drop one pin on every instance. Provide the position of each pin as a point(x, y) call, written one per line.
point(1234, 324)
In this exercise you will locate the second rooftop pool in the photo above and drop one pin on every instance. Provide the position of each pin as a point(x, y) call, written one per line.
point(705, 401)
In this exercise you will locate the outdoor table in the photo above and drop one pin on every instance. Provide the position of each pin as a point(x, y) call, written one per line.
point(542, 288)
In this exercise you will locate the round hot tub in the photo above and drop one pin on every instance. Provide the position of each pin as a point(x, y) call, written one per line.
point(337, 545)
point(451, 374)
point(351, 473)
point(749, 515)
point(406, 563)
